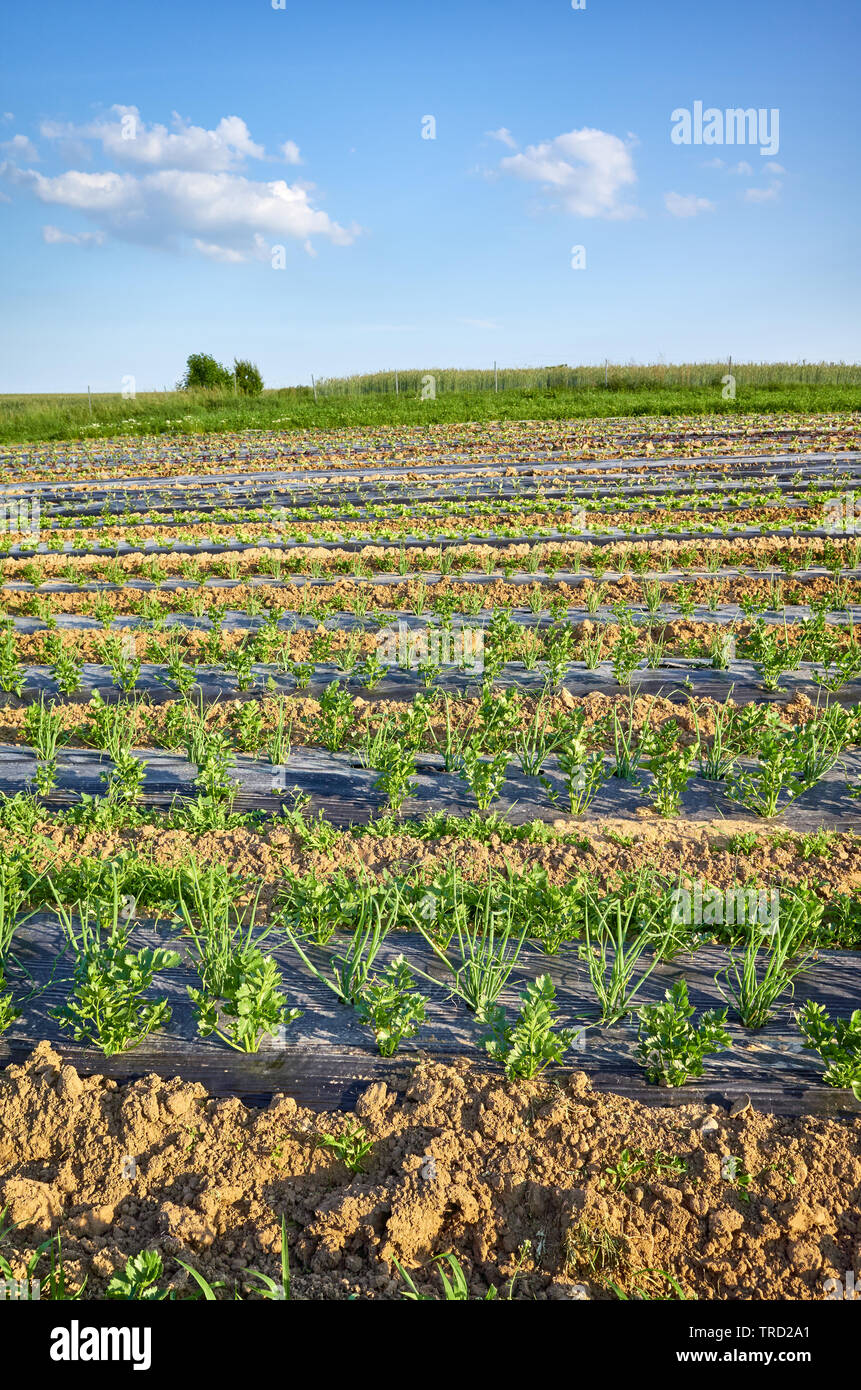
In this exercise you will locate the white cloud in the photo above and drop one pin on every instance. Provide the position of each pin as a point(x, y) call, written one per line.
point(585, 170)
point(504, 136)
point(762, 195)
point(217, 253)
point(129, 140)
point(687, 204)
point(716, 163)
point(21, 147)
point(174, 207)
point(742, 168)
point(290, 151)
point(773, 168)
point(54, 237)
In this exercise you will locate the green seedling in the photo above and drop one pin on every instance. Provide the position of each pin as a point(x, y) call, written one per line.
point(352, 1147)
point(838, 1043)
point(106, 1007)
point(671, 1049)
point(529, 1045)
point(391, 1007)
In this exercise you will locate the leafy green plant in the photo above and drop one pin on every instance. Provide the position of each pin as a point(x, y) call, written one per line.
point(105, 1007)
point(65, 668)
point(670, 1048)
point(138, 1280)
point(671, 770)
point(717, 758)
point(43, 729)
point(391, 1007)
point(240, 998)
point(626, 656)
point(11, 670)
point(484, 776)
point(395, 767)
point(336, 717)
point(352, 1147)
point(838, 1042)
point(628, 747)
point(786, 767)
point(529, 1045)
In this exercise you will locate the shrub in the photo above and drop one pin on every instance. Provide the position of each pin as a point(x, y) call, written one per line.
point(202, 371)
point(248, 378)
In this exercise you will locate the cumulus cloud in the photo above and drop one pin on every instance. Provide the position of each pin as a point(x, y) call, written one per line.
point(743, 168)
point(20, 147)
point(54, 237)
point(129, 140)
point(772, 168)
point(585, 171)
point(197, 202)
point(687, 204)
point(505, 137)
point(170, 206)
point(225, 254)
point(762, 195)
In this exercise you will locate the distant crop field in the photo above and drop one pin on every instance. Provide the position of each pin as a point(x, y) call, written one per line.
point(445, 395)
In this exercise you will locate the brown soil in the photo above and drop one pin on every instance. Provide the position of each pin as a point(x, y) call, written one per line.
point(675, 639)
point(512, 1178)
point(608, 849)
point(416, 595)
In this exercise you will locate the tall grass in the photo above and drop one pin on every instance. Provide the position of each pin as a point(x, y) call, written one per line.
point(612, 376)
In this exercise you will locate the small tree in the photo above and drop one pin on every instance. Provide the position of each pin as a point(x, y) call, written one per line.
point(201, 370)
point(248, 378)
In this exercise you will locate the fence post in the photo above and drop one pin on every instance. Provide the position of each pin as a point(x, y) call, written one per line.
point(397, 389)
point(605, 371)
point(495, 378)
point(90, 401)
point(314, 387)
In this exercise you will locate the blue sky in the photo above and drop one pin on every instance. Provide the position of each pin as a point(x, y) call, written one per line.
point(156, 157)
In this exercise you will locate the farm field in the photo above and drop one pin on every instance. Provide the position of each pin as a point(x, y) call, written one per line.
point(445, 839)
